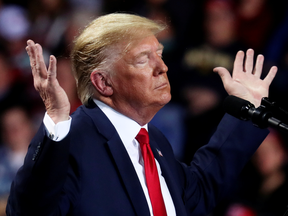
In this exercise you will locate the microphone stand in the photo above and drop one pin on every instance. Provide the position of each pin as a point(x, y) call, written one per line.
point(268, 114)
point(277, 111)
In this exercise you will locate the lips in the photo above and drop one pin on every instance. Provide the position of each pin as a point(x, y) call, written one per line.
point(163, 85)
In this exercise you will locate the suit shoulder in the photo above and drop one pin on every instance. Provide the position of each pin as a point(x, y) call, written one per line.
point(155, 132)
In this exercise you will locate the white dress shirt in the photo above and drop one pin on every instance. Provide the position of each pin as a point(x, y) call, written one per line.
point(127, 135)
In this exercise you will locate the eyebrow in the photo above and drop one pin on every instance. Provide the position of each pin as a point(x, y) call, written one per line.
point(160, 47)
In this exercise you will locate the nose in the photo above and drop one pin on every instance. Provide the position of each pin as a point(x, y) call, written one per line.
point(160, 66)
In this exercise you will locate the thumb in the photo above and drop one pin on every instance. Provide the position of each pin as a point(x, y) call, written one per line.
point(224, 74)
point(52, 69)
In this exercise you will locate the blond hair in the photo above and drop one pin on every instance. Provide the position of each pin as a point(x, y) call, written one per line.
point(92, 49)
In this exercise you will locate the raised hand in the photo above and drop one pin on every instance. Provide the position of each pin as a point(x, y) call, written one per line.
point(245, 81)
point(45, 82)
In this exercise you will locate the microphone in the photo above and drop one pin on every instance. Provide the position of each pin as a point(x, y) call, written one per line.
point(261, 116)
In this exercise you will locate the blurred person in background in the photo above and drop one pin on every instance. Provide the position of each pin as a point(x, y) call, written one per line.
point(270, 161)
point(17, 131)
point(218, 47)
point(255, 23)
point(14, 32)
point(95, 7)
point(202, 88)
point(16, 84)
point(276, 52)
point(49, 21)
point(263, 186)
point(56, 23)
point(12, 87)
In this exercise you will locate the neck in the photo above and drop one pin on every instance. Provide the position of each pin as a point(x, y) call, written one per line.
point(142, 115)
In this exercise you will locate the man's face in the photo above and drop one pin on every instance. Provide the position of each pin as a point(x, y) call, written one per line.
point(140, 78)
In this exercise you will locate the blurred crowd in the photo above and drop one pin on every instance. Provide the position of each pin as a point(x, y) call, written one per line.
point(200, 36)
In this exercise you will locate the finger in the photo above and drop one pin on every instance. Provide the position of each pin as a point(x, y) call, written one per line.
point(224, 74)
point(31, 50)
point(28, 48)
point(238, 63)
point(248, 66)
point(30, 43)
point(32, 55)
point(52, 69)
point(40, 63)
point(259, 66)
point(270, 76)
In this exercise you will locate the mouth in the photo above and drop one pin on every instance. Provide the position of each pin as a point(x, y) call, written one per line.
point(163, 85)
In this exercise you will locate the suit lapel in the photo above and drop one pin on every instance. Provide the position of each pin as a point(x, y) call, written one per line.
point(171, 180)
point(129, 176)
point(122, 160)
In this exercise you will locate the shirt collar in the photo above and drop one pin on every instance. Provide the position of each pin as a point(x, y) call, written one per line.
point(126, 127)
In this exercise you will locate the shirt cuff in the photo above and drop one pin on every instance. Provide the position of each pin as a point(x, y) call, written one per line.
point(59, 131)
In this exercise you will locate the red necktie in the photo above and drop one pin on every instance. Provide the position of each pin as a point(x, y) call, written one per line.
point(151, 174)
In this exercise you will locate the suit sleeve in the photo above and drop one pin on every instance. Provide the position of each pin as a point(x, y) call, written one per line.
point(217, 165)
point(38, 186)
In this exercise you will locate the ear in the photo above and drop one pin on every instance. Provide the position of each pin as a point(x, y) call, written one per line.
point(100, 80)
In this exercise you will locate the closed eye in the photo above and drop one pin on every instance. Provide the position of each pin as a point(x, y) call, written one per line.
point(160, 54)
point(160, 51)
point(142, 59)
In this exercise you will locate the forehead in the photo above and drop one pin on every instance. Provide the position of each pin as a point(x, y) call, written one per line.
point(149, 43)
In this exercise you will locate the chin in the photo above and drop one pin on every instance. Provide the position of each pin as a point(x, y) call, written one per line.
point(165, 99)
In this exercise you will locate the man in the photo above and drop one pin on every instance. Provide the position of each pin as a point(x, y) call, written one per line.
point(95, 166)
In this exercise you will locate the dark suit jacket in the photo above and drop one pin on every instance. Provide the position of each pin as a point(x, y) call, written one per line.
point(89, 173)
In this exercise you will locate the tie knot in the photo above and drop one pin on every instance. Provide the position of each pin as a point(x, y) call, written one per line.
point(143, 137)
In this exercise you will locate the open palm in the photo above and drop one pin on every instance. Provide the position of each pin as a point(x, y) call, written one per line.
point(245, 81)
point(45, 82)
